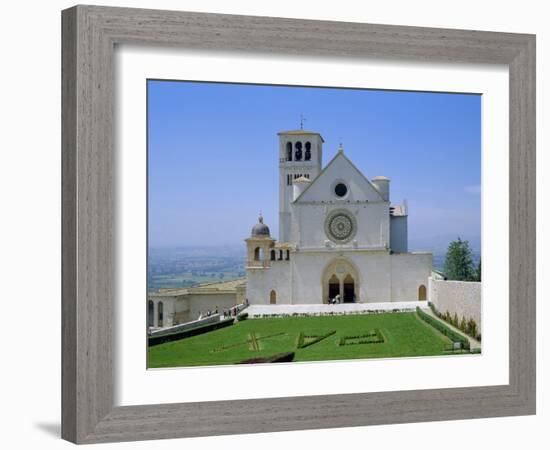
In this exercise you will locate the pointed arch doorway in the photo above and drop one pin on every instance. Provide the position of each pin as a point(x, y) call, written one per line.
point(349, 289)
point(340, 277)
point(333, 287)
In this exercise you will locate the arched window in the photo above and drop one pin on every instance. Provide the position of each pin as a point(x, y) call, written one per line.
point(287, 255)
point(150, 313)
point(160, 314)
point(257, 254)
point(272, 298)
point(298, 152)
point(280, 255)
point(273, 255)
point(307, 155)
point(288, 151)
point(422, 292)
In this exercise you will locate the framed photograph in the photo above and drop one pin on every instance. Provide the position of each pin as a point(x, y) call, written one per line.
point(280, 216)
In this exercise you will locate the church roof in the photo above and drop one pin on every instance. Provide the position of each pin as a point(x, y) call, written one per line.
point(301, 132)
point(222, 287)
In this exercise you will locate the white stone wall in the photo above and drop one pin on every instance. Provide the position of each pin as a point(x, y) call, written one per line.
point(409, 272)
point(373, 227)
point(260, 283)
point(399, 234)
point(204, 302)
point(169, 307)
point(184, 308)
point(381, 277)
point(460, 297)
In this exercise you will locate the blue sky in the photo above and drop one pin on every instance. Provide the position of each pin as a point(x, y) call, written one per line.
point(213, 155)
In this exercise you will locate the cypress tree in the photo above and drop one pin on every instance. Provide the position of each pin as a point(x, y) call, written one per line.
point(458, 262)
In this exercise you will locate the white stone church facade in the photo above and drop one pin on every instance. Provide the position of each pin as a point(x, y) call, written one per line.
point(339, 234)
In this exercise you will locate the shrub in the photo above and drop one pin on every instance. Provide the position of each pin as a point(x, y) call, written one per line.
point(279, 357)
point(371, 337)
point(471, 328)
point(443, 329)
point(176, 336)
point(311, 339)
point(242, 316)
point(463, 324)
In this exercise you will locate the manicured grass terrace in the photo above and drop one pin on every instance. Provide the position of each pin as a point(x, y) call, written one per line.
point(404, 334)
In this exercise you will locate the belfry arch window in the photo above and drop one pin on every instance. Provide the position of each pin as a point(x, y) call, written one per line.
point(273, 255)
point(298, 152)
point(288, 151)
point(257, 254)
point(280, 255)
point(307, 155)
point(287, 255)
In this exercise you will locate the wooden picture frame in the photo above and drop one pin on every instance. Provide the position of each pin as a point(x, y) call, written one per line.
point(89, 35)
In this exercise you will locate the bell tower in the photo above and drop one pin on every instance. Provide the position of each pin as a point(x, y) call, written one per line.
point(300, 155)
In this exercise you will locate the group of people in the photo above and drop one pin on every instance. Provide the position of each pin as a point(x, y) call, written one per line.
point(207, 313)
point(231, 312)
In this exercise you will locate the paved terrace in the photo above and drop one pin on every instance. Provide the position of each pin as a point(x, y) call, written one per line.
point(342, 308)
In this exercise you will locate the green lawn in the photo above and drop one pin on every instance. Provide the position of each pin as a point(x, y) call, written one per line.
point(404, 334)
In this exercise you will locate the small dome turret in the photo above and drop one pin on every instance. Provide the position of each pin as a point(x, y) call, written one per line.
point(260, 229)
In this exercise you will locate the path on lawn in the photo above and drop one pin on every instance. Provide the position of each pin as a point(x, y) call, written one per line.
point(474, 343)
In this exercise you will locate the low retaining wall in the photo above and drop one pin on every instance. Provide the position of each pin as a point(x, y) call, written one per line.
point(187, 326)
point(322, 308)
point(462, 298)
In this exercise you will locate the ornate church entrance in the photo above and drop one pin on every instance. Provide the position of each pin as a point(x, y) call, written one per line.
point(340, 279)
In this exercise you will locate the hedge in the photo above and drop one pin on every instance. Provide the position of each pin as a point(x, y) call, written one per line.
point(242, 316)
point(314, 339)
point(444, 329)
point(371, 337)
point(279, 357)
point(468, 327)
point(176, 336)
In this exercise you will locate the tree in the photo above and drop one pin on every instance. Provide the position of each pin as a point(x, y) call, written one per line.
point(477, 276)
point(458, 262)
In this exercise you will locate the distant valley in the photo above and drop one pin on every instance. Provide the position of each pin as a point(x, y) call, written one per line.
point(180, 267)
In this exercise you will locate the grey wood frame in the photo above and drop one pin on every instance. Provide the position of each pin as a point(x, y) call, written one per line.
point(89, 34)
